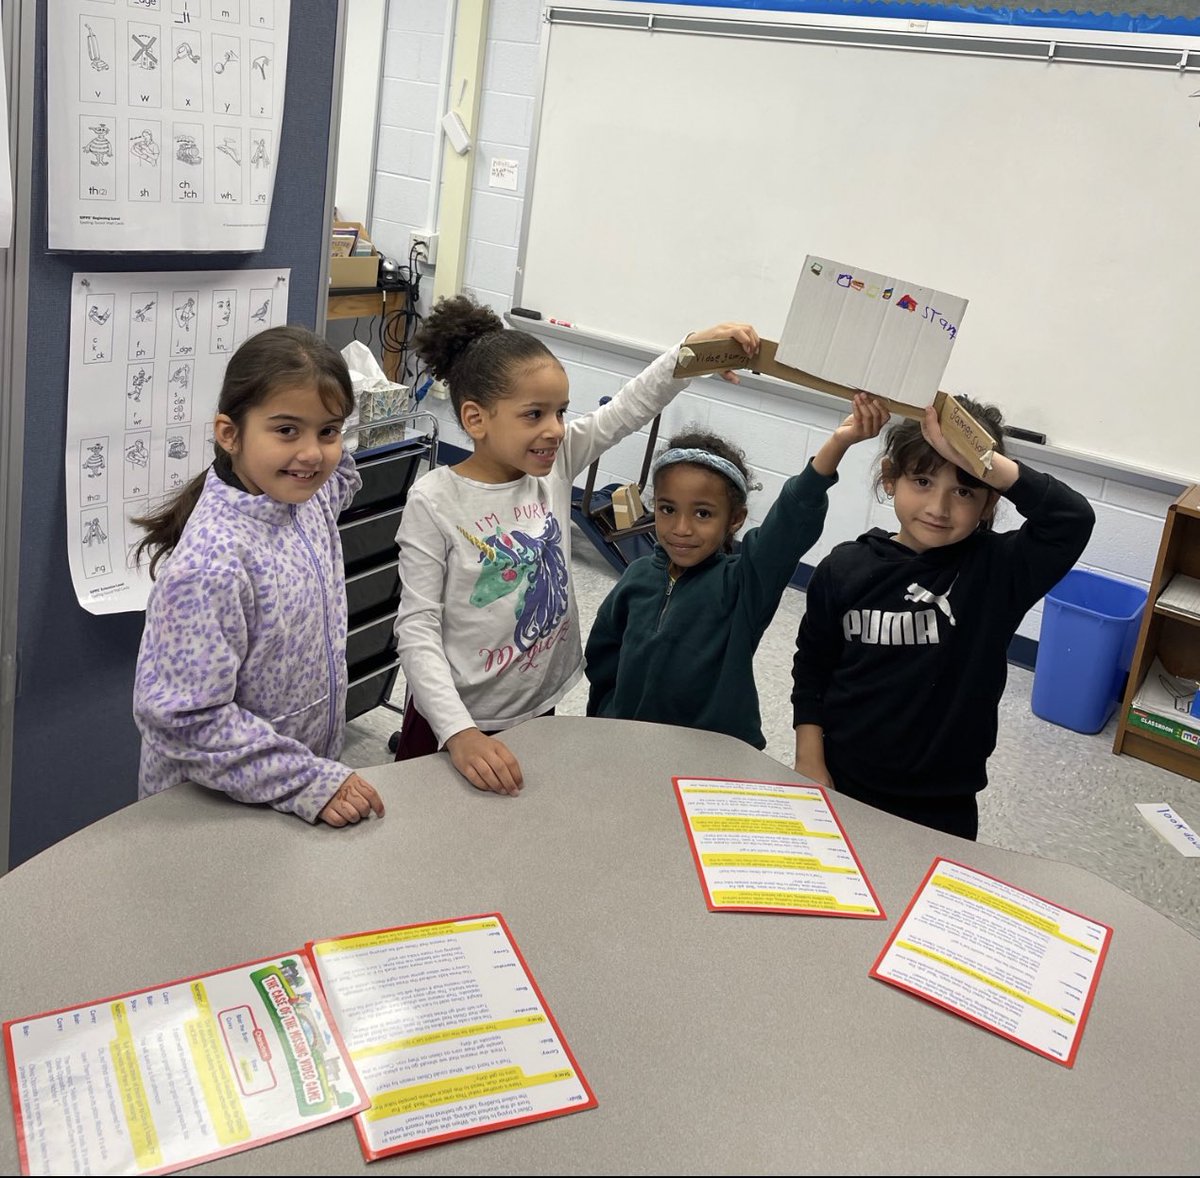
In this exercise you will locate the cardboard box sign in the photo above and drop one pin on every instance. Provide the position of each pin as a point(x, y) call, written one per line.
point(964, 433)
point(851, 329)
point(357, 269)
point(870, 331)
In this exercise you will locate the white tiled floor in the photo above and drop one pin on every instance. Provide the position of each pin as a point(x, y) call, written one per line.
point(1052, 792)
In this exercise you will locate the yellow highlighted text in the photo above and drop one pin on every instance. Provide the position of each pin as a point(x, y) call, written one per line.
point(746, 897)
point(401, 1101)
point(216, 1080)
point(1000, 904)
point(1020, 995)
point(508, 1024)
point(728, 824)
point(142, 1135)
point(402, 935)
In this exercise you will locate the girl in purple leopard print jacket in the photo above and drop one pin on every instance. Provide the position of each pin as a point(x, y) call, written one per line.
point(241, 677)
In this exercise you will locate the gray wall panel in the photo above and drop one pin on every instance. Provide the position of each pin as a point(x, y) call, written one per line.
point(75, 747)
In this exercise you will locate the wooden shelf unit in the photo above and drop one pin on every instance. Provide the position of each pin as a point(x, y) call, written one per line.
point(1170, 636)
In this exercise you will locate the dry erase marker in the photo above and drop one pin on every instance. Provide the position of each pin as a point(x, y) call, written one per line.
point(560, 322)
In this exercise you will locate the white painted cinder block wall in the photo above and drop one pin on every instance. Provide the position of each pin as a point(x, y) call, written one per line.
point(778, 431)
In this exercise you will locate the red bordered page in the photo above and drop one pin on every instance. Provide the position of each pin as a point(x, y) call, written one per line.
point(448, 1031)
point(159, 1079)
point(770, 846)
point(1003, 958)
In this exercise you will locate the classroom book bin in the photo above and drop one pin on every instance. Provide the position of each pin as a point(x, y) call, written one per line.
point(1089, 628)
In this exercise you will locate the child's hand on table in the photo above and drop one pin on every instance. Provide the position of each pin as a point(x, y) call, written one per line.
point(354, 800)
point(485, 762)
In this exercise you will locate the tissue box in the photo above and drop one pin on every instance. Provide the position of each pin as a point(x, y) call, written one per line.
point(381, 402)
point(375, 399)
point(378, 404)
point(356, 270)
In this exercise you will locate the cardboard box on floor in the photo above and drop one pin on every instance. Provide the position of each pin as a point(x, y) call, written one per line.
point(627, 506)
point(356, 270)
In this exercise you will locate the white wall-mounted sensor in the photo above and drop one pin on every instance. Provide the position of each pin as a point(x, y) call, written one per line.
point(456, 132)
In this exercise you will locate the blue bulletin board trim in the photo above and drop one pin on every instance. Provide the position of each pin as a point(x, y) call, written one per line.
point(1032, 17)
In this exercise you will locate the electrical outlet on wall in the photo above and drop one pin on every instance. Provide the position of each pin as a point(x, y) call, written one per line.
point(426, 239)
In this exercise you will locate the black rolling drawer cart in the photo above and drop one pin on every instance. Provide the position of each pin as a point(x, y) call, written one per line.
point(368, 530)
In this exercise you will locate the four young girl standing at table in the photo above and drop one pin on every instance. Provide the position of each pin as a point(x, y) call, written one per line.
point(901, 655)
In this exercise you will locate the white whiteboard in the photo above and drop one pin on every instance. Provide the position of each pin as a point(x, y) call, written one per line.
point(681, 180)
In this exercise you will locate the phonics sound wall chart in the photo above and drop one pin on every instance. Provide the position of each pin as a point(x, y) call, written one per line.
point(163, 121)
point(148, 354)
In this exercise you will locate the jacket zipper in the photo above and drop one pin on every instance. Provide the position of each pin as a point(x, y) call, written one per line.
point(325, 627)
point(662, 613)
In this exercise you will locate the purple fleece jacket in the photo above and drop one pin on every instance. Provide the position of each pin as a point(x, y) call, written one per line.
point(241, 677)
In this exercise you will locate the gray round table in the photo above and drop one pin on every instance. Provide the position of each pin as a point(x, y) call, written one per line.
point(715, 1042)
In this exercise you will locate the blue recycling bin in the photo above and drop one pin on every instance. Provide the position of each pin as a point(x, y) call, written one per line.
point(1089, 629)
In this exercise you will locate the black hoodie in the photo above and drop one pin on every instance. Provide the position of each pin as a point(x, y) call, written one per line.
point(901, 656)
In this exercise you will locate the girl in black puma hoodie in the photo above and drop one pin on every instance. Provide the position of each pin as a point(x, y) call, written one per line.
point(901, 657)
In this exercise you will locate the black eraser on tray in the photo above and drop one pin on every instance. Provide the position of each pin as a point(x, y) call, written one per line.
point(526, 313)
point(1025, 435)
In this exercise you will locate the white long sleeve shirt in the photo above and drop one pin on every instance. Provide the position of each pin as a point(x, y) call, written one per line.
point(488, 630)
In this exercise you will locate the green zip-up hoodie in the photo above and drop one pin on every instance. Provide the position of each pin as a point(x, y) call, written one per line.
point(683, 653)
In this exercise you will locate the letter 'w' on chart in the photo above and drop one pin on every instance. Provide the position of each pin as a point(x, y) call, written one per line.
point(870, 331)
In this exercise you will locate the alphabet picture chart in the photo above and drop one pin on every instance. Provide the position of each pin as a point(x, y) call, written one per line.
point(148, 354)
point(163, 122)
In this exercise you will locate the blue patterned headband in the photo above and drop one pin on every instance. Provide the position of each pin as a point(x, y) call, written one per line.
point(701, 458)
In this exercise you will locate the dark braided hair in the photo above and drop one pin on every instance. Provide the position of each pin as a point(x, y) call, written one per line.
point(280, 357)
point(467, 346)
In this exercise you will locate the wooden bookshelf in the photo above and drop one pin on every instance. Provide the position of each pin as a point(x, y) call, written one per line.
point(1171, 635)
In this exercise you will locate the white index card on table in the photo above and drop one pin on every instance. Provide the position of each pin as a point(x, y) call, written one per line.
point(870, 331)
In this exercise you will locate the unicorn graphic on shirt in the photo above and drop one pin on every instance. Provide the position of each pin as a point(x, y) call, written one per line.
point(532, 567)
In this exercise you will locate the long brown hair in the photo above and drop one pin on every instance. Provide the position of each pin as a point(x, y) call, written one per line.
point(280, 357)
